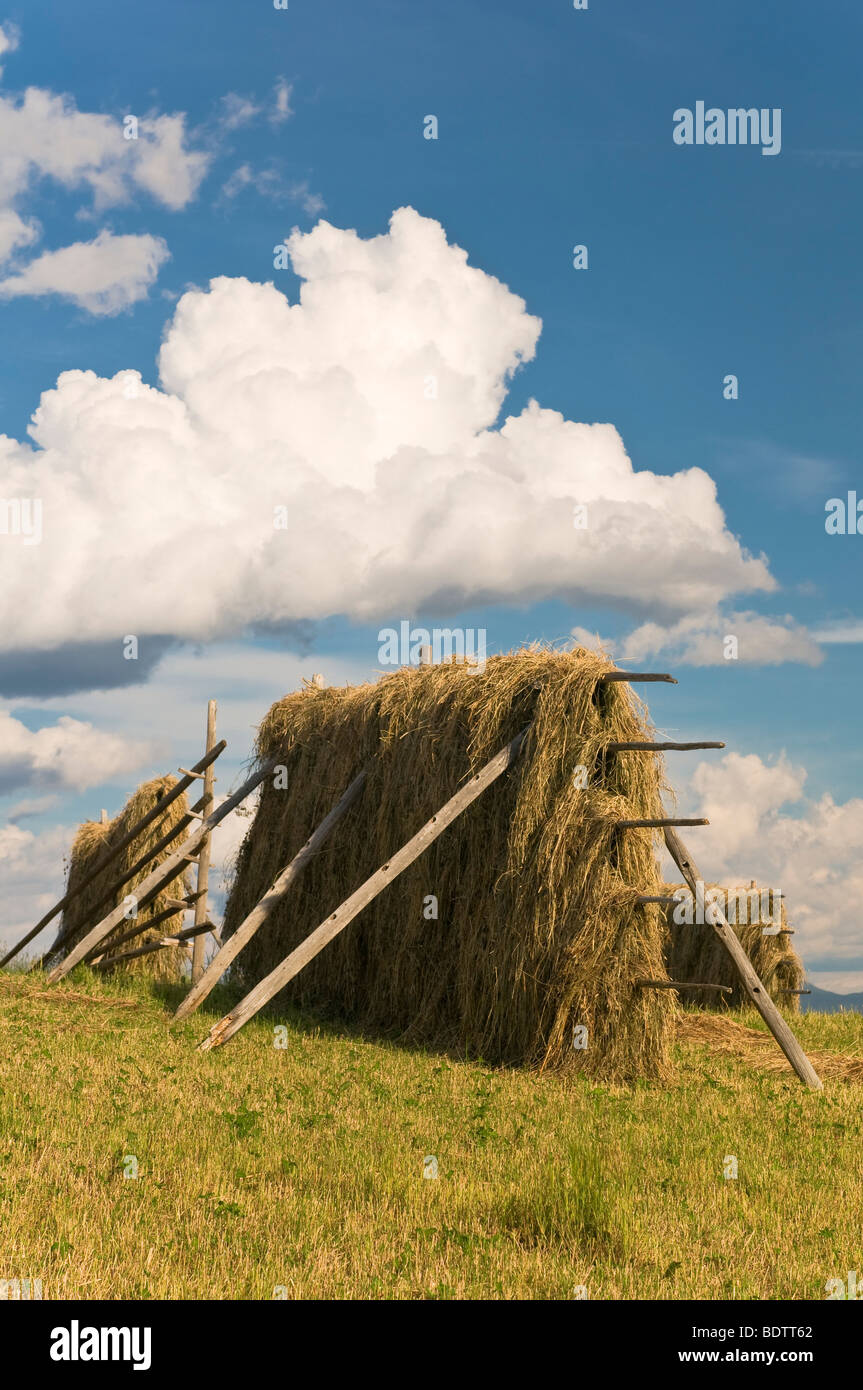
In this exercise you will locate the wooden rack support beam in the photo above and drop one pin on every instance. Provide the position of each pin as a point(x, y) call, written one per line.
point(259, 914)
point(171, 909)
point(751, 983)
point(659, 824)
point(636, 676)
point(203, 878)
point(338, 920)
point(177, 940)
point(683, 984)
point(658, 747)
point(112, 853)
point(163, 873)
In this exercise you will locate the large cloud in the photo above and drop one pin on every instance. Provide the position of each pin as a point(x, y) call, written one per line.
point(70, 753)
point(368, 411)
point(815, 857)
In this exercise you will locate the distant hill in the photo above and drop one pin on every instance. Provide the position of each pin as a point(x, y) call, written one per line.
point(824, 1001)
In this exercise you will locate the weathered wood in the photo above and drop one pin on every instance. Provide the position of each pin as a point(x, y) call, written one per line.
point(177, 939)
point(751, 983)
point(636, 676)
point(171, 909)
point(318, 680)
point(426, 654)
point(112, 853)
point(657, 747)
point(657, 824)
point(163, 873)
point(683, 984)
point(103, 819)
point(203, 879)
point(338, 920)
point(259, 914)
point(111, 892)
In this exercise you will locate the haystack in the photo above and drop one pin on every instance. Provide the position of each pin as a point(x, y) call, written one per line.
point(90, 843)
point(520, 921)
point(696, 953)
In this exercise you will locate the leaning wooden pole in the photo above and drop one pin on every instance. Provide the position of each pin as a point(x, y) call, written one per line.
point(112, 890)
point(163, 873)
point(259, 914)
point(751, 983)
point(112, 853)
point(203, 882)
point(338, 920)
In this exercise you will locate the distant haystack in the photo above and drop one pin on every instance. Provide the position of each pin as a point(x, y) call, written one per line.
point(520, 922)
point(90, 843)
point(696, 953)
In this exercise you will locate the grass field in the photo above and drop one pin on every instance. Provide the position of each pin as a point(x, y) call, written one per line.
point(300, 1169)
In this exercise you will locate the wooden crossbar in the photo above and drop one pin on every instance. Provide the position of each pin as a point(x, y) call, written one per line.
point(636, 676)
point(658, 824)
point(338, 920)
point(176, 940)
point(657, 747)
point(114, 850)
point(163, 873)
point(683, 984)
point(259, 914)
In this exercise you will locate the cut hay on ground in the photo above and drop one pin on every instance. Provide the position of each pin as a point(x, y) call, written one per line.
point(90, 843)
point(537, 927)
point(725, 1035)
point(696, 953)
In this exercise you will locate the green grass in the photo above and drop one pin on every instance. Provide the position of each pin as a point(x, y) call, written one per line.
point(302, 1168)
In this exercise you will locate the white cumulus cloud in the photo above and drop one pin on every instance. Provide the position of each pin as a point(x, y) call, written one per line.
point(815, 857)
point(70, 753)
point(103, 276)
point(701, 640)
point(365, 417)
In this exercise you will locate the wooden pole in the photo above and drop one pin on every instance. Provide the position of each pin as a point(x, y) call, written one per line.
point(111, 892)
point(173, 906)
point(177, 940)
point(681, 984)
point(112, 853)
point(751, 983)
point(636, 676)
point(259, 914)
point(657, 747)
point(338, 920)
point(203, 881)
point(658, 824)
point(163, 873)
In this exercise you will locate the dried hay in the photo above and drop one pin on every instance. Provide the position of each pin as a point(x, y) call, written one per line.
point(90, 843)
point(695, 952)
point(726, 1036)
point(538, 929)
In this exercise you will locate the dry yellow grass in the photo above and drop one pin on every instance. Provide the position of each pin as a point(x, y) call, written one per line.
point(301, 1169)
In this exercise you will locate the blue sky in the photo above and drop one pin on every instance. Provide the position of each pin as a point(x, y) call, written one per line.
point(555, 129)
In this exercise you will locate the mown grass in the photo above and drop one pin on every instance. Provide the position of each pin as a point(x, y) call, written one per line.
point(301, 1168)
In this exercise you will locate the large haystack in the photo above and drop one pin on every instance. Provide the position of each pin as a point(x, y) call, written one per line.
point(537, 928)
point(696, 953)
point(90, 843)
